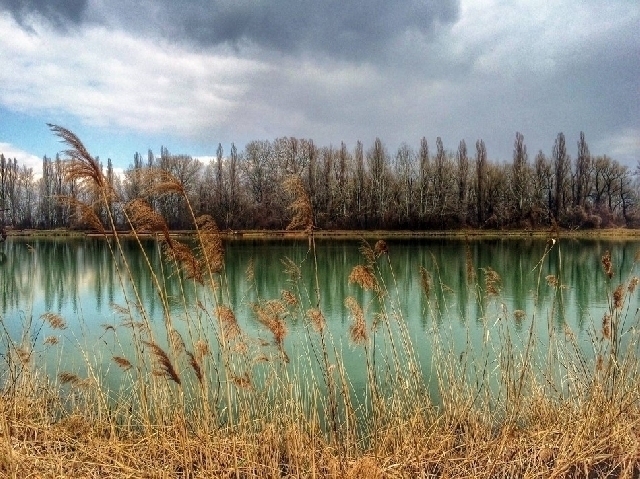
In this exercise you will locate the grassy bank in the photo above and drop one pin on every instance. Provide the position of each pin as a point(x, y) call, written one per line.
point(213, 401)
point(371, 235)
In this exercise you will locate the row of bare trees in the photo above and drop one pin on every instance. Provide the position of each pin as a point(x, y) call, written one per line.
point(352, 189)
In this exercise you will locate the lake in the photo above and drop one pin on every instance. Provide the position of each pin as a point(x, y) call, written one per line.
point(478, 291)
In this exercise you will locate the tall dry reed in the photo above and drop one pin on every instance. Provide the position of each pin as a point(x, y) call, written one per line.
point(202, 397)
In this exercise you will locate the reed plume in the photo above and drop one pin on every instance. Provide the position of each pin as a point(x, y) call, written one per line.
point(195, 365)
point(269, 313)
point(184, 257)
point(201, 349)
point(317, 319)
point(24, 354)
point(358, 329)
point(606, 326)
point(288, 297)
point(607, 265)
point(81, 165)
point(161, 182)
point(242, 381)
point(228, 320)
point(471, 272)
point(618, 296)
point(425, 281)
point(381, 248)
point(292, 269)
point(301, 206)
point(211, 247)
point(83, 213)
point(368, 253)
point(519, 314)
point(177, 343)
point(69, 378)
point(124, 363)
point(73, 380)
point(164, 367)
point(55, 320)
point(250, 272)
point(144, 218)
point(491, 281)
point(363, 276)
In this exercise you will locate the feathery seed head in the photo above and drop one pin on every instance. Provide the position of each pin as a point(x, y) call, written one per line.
point(124, 363)
point(211, 247)
point(606, 326)
point(301, 206)
point(80, 165)
point(381, 248)
point(317, 319)
point(618, 296)
point(195, 365)
point(202, 348)
point(269, 313)
point(363, 276)
point(492, 281)
point(55, 320)
point(228, 320)
point(607, 265)
point(144, 218)
point(183, 256)
point(164, 367)
point(368, 253)
point(288, 297)
point(358, 329)
point(425, 279)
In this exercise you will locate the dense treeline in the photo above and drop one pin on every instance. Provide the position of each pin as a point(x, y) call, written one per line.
point(349, 189)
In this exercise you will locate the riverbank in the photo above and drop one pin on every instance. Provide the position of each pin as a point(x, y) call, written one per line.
point(527, 412)
point(611, 233)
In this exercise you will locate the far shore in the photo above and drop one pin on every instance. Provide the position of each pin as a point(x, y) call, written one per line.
point(605, 233)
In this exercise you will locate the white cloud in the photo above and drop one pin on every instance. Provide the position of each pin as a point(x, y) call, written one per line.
point(24, 158)
point(503, 66)
point(509, 37)
point(110, 78)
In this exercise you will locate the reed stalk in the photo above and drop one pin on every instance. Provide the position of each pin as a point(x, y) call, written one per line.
point(218, 401)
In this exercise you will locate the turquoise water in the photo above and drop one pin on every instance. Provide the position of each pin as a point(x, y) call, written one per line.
point(81, 280)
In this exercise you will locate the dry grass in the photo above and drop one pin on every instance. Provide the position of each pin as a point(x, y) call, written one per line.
point(212, 401)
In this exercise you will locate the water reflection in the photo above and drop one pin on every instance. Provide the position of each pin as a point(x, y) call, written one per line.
point(81, 278)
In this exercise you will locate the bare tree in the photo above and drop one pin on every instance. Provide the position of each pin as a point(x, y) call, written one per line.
point(583, 173)
point(481, 180)
point(187, 171)
point(377, 162)
point(520, 179)
point(543, 188)
point(220, 203)
point(406, 179)
point(463, 182)
point(561, 170)
point(424, 179)
point(342, 179)
point(359, 187)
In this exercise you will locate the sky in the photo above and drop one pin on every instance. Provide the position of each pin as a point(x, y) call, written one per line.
point(131, 76)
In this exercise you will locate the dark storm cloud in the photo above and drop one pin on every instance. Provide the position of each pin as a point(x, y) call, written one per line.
point(57, 12)
point(347, 29)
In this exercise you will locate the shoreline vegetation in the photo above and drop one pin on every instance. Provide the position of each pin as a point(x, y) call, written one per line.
point(214, 402)
point(607, 233)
